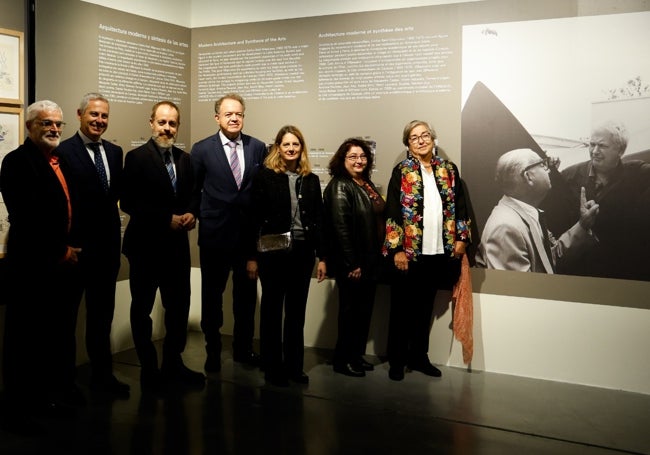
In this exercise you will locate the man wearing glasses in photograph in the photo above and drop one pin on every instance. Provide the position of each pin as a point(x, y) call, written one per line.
point(515, 236)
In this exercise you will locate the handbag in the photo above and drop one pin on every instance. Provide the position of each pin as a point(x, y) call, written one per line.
point(279, 242)
point(274, 242)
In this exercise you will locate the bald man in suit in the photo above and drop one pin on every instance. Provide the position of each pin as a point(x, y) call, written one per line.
point(515, 236)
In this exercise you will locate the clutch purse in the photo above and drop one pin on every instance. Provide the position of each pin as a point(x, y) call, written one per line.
point(274, 242)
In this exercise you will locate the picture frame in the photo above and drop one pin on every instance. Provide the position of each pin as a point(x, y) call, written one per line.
point(11, 66)
point(12, 129)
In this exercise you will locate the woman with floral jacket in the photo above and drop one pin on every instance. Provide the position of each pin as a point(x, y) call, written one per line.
point(425, 241)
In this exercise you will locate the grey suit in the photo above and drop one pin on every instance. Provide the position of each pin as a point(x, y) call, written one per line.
point(513, 240)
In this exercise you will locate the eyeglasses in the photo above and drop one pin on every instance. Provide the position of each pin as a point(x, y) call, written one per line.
point(356, 157)
point(543, 163)
point(47, 124)
point(426, 137)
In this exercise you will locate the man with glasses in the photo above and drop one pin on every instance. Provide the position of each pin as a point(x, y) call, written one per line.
point(622, 190)
point(40, 315)
point(224, 166)
point(515, 236)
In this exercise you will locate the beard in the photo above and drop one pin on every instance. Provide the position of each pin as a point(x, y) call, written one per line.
point(164, 141)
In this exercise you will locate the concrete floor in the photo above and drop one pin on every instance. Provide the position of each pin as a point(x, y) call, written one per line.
point(461, 413)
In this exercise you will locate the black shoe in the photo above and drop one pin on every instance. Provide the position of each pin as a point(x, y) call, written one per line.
point(426, 368)
point(72, 396)
point(248, 358)
point(276, 379)
point(349, 369)
point(212, 363)
point(300, 378)
point(21, 424)
point(363, 365)
point(180, 374)
point(396, 373)
point(150, 381)
point(56, 410)
point(110, 386)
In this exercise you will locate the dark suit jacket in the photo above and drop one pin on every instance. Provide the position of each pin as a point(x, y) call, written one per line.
point(38, 210)
point(96, 224)
point(223, 207)
point(149, 199)
point(623, 209)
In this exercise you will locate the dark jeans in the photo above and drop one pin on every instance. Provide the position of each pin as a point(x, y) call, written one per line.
point(216, 265)
point(285, 278)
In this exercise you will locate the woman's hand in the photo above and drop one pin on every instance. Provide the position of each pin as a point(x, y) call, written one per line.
point(355, 274)
point(459, 249)
point(321, 271)
point(251, 269)
point(401, 261)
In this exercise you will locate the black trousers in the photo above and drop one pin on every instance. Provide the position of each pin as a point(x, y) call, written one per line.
point(170, 273)
point(39, 350)
point(216, 265)
point(356, 299)
point(411, 309)
point(285, 278)
point(96, 277)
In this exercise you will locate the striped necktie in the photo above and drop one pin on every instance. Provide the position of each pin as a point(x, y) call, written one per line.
point(170, 168)
point(234, 163)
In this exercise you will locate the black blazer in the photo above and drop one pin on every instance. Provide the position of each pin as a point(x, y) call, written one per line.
point(271, 209)
point(149, 199)
point(96, 220)
point(38, 210)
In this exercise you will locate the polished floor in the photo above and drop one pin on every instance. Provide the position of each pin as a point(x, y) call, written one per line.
point(236, 413)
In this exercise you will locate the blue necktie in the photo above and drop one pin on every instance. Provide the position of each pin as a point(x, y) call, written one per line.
point(170, 168)
point(99, 164)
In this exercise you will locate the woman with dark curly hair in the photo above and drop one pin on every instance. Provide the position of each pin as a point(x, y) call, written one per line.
point(355, 223)
point(286, 196)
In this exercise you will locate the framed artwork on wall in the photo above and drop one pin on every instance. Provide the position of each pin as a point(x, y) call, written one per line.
point(11, 136)
point(11, 66)
point(11, 129)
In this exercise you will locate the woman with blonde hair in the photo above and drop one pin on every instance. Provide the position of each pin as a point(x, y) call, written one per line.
point(286, 198)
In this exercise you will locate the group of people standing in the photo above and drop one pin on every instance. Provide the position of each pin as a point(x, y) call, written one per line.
point(62, 200)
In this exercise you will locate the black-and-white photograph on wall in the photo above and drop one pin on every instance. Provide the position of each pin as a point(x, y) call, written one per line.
point(549, 108)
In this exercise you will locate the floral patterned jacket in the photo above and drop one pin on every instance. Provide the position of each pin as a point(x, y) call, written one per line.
point(405, 201)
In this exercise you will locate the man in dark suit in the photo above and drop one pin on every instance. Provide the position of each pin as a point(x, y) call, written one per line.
point(39, 319)
point(620, 187)
point(96, 167)
point(224, 165)
point(157, 194)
